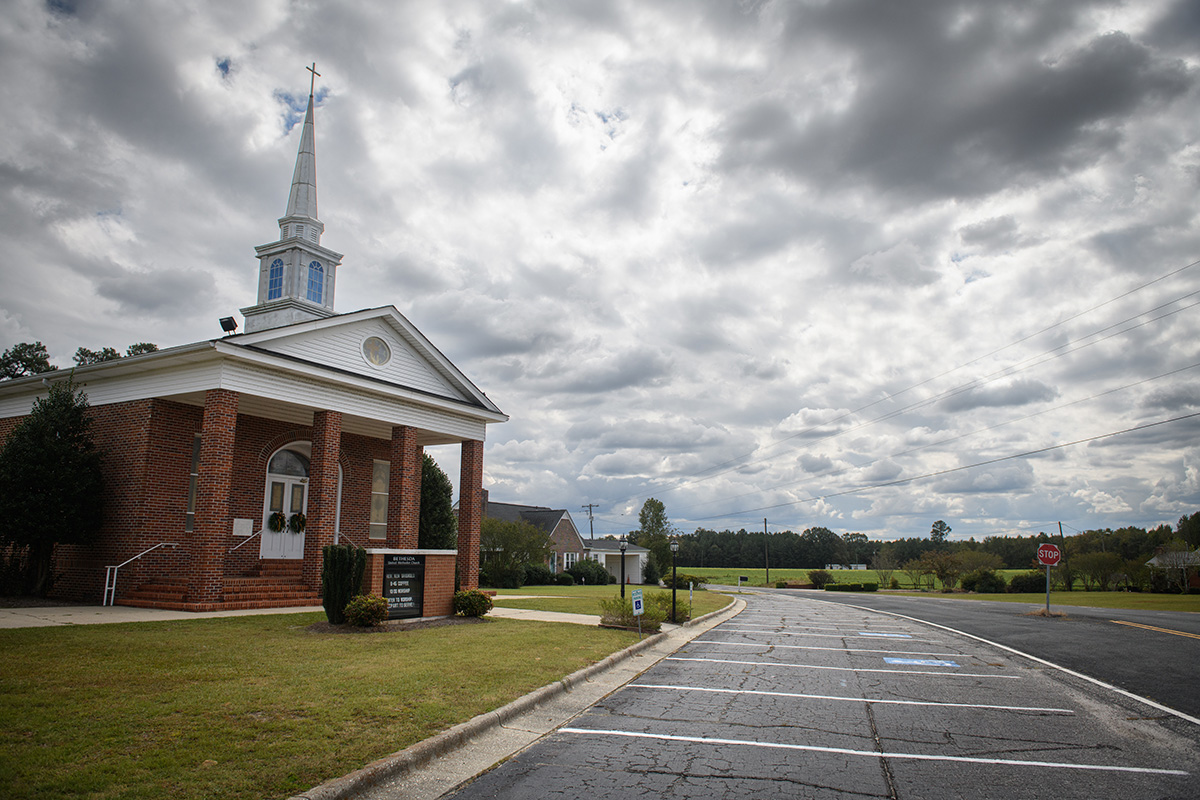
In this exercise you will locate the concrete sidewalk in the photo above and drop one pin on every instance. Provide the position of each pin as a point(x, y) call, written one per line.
point(53, 616)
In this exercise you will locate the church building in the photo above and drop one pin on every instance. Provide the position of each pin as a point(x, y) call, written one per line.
point(230, 463)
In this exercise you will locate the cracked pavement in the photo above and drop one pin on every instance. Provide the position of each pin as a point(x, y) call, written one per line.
point(800, 698)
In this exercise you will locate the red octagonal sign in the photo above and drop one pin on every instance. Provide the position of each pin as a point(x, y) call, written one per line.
point(1049, 554)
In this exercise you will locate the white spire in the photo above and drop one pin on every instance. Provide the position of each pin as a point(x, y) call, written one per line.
point(302, 201)
point(297, 275)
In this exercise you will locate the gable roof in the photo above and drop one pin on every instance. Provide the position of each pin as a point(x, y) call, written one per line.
point(541, 517)
point(612, 545)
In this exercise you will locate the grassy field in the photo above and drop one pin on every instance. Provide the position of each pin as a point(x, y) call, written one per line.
point(1127, 600)
point(252, 707)
point(586, 599)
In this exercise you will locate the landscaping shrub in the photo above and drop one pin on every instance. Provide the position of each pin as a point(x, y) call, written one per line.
point(342, 571)
point(682, 581)
point(366, 610)
point(564, 579)
point(895, 584)
point(538, 575)
point(781, 584)
point(819, 577)
point(662, 602)
point(983, 581)
point(619, 611)
point(1028, 582)
point(473, 603)
point(590, 573)
point(499, 576)
point(851, 587)
point(651, 573)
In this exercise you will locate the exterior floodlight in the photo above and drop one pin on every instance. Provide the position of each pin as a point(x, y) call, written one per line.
point(228, 324)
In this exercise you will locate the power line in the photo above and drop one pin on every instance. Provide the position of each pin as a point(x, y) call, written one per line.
point(901, 481)
point(948, 440)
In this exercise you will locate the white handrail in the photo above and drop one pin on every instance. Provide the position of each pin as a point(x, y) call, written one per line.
point(248, 538)
point(110, 573)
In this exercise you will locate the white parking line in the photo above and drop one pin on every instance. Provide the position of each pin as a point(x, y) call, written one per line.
point(853, 699)
point(874, 754)
point(848, 669)
point(852, 629)
point(830, 649)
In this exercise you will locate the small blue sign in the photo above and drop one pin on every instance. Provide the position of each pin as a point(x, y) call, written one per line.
point(638, 608)
point(921, 662)
point(885, 635)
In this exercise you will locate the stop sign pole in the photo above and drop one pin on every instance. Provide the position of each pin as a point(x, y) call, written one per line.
point(1048, 554)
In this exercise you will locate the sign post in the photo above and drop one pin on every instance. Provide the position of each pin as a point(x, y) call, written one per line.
point(1048, 554)
point(638, 608)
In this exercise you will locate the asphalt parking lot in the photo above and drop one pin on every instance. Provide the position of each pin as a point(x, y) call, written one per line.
point(800, 698)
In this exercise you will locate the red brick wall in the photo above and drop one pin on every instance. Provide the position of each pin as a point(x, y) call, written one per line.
point(470, 507)
point(404, 490)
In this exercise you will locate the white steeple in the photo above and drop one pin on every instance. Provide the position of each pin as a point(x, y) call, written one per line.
point(296, 274)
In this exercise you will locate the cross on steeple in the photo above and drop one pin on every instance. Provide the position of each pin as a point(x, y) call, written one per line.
point(312, 84)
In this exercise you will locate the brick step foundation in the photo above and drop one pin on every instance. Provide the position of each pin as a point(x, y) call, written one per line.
point(271, 584)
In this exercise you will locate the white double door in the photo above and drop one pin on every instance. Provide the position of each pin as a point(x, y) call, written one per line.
point(289, 495)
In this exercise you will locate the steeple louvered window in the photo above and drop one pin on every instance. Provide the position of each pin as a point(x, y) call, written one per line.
point(275, 280)
point(316, 282)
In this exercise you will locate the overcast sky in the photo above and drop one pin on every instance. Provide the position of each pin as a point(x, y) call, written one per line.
point(754, 259)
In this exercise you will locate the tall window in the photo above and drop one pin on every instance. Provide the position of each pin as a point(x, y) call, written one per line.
point(275, 279)
point(379, 499)
point(189, 519)
point(316, 281)
point(569, 560)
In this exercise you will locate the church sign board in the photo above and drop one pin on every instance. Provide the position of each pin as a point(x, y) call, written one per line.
point(404, 585)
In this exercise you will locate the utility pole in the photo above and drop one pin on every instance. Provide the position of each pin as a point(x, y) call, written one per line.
point(766, 551)
point(589, 507)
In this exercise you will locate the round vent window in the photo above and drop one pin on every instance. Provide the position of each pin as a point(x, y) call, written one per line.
point(376, 351)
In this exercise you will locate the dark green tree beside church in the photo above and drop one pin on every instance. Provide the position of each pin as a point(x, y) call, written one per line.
point(51, 488)
point(438, 526)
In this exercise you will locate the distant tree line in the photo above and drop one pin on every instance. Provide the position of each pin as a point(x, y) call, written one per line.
point(32, 358)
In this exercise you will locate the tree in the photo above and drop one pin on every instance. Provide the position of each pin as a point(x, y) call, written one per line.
point(944, 566)
point(1189, 529)
point(884, 565)
point(83, 356)
point(939, 533)
point(1099, 569)
point(51, 485)
point(25, 359)
point(505, 549)
point(654, 531)
point(438, 527)
point(141, 347)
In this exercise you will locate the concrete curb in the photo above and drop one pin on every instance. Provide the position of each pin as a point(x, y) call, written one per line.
point(447, 741)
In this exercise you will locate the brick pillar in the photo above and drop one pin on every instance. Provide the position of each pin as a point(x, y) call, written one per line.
point(470, 507)
point(404, 489)
point(322, 493)
point(210, 539)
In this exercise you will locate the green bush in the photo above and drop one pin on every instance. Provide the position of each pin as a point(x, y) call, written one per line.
point(366, 610)
point(472, 603)
point(683, 579)
point(895, 584)
point(500, 576)
point(564, 579)
point(651, 574)
point(780, 584)
point(819, 578)
point(590, 573)
point(1028, 582)
point(619, 611)
point(662, 602)
point(983, 581)
point(538, 575)
point(342, 571)
point(851, 587)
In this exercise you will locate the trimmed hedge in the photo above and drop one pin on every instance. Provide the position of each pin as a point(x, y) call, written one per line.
point(1027, 583)
point(538, 575)
point(852, 587)
point(682, 580)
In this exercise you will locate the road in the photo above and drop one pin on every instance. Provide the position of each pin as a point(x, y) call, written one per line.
point(797, 697)
point(1149, 653)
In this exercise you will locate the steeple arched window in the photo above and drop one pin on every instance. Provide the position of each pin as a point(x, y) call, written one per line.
point(275, 280)
point(316, 282)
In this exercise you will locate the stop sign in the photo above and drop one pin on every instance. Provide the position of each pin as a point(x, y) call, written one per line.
point(1049, 554)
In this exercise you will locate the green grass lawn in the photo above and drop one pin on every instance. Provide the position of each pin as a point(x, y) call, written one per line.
point(252, 707)
point(586, 599)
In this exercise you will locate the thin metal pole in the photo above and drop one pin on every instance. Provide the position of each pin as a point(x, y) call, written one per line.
point(766, 552)
point(674, 584)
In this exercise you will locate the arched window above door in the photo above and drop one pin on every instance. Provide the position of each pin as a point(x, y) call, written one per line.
point(289, 462)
